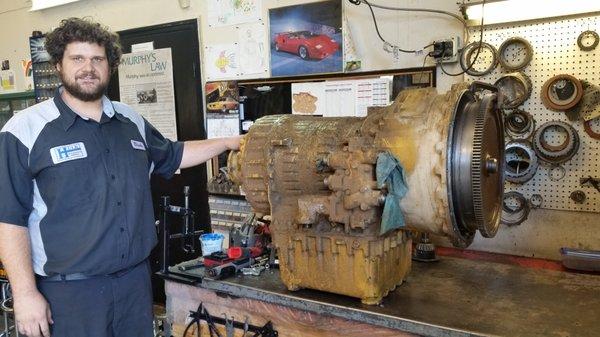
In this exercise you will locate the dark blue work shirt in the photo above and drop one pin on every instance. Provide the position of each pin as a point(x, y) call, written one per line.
point(82, 187)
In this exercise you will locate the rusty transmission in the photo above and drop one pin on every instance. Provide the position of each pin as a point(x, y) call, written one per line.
point(317, 179)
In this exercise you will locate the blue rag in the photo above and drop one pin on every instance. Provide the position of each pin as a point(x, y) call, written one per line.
point(391, 173)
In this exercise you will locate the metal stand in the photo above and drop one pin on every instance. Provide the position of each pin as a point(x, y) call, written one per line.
point(188, 236)
point(7, 311)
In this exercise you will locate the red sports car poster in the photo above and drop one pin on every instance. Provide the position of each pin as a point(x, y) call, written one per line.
point(306, 39)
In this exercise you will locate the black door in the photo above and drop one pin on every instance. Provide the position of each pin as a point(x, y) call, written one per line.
point(182, 38)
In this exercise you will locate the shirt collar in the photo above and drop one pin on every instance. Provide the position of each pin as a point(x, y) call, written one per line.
point(68, 116)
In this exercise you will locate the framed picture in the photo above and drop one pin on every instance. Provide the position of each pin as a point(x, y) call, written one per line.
point(306, 39)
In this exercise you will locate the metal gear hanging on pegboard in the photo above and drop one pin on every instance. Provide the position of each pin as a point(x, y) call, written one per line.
point(555, 51)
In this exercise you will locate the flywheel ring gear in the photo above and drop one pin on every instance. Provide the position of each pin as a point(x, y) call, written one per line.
point(515, 89)
point(551, 99)
point(584, 35)
point(469, 50)
point(519, 124)
point(514, 150)
point(587, 126)
point(476, 134)
point(560, 153)
point(516, 216)
point(512, 42)
point(480, 166)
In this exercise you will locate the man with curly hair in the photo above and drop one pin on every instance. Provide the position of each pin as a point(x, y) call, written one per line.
point(76, 217)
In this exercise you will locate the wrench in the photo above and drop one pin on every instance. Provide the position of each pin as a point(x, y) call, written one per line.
point(229, 328)
point(245, 327)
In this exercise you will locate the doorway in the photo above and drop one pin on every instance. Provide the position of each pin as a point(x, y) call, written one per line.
point(182, 38)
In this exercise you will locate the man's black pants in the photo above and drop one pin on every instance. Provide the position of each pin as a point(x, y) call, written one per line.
point(119, 305)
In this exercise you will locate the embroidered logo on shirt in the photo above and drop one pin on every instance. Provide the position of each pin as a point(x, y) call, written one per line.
point(63, 153)
point(138, 145)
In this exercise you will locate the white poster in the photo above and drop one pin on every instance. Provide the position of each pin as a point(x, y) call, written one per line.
point(251, 44)
point(350, 98)
point(232, 12)
point(221, 61)
point(339, 99)
point(146, 84)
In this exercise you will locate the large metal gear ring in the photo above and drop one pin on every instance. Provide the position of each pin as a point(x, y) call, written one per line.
point(587, 126)
point(520, 45)
point(587, 46)
point(470, 50)
point(519, 124)
point(561, 92)
point(521, 162)
point(560, 153)
point(514, 88)
point(556, 173)
point(514, 215)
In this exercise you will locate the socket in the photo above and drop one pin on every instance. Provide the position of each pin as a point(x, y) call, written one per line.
point(446, 51)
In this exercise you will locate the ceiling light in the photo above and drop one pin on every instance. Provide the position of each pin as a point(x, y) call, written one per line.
point(519, 10)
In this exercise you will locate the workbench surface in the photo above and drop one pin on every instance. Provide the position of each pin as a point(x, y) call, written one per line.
point(452, 297)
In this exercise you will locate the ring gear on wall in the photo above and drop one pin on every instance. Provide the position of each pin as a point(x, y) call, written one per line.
point(519, 124)
point(515, 89)
point(578, 196)
point(561, 92)
point(536, 200)
point(556, 173)
point(515, 208)
point(560, 153)
point(521, 162)
point(515, 53)
point(592, 128)
point(470, 50)
point(588, 40)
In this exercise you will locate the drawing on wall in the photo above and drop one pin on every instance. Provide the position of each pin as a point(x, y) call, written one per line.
point(227, 126)
point(222, 97)
point(251, 44)
point(221, 61)
point(306, 39)
point(232, 12)
point(351, 60)
point(304, 103)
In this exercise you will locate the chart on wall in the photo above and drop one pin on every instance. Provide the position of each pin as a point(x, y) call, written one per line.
point(146, 84)
point(306, 39)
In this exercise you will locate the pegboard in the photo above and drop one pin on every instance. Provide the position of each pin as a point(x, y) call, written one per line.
point(555, 52)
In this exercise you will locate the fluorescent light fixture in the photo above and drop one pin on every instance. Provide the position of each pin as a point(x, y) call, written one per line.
point(37, 5)
point(524, 10)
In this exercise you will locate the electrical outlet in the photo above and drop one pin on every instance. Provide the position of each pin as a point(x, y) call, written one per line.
point(446, 51)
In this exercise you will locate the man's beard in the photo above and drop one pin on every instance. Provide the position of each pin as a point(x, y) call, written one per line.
point(77, 91)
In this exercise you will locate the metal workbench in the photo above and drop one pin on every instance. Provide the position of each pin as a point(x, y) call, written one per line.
point(453, 297)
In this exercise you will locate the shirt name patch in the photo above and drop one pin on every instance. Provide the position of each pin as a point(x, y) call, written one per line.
point(138, 145)
point(63, 153)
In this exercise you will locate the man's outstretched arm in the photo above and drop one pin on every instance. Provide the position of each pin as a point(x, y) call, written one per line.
point(199, 151)
point(32, 311)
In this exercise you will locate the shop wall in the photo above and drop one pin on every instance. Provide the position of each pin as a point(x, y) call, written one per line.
point(540, 236)
point(18, 23)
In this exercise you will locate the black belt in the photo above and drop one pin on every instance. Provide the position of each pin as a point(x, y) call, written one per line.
point(81, 276)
